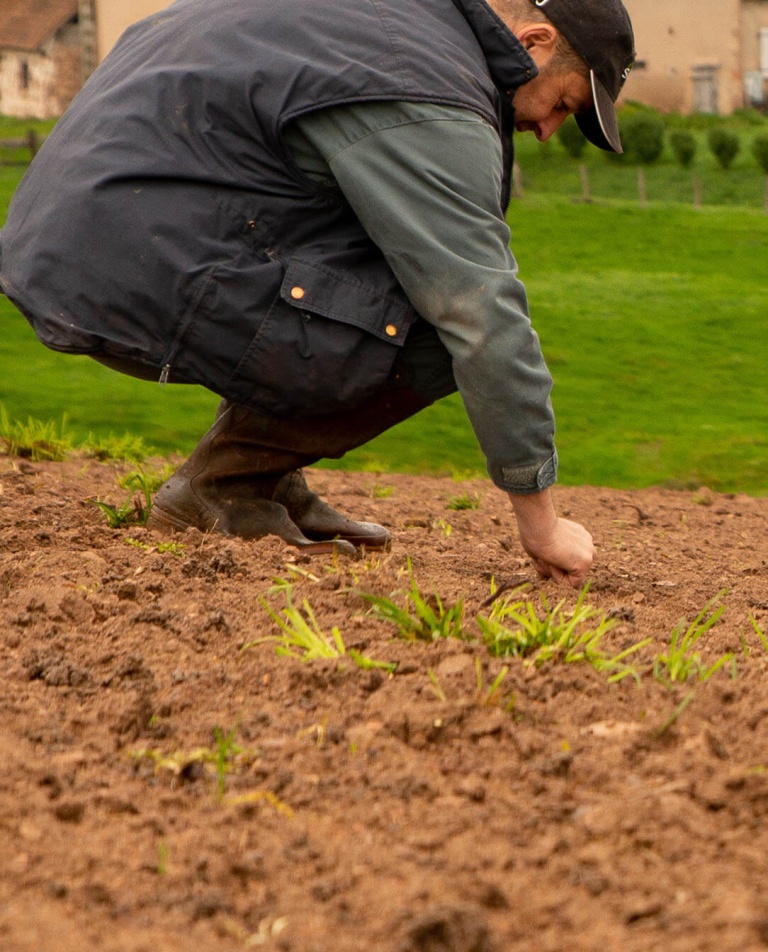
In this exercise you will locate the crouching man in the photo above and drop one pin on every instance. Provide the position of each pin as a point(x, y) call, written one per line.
point(300, 204)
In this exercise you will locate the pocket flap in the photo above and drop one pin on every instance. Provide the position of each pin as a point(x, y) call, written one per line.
point(319, 289)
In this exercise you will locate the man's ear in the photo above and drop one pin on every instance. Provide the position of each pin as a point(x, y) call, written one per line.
point(540, 40)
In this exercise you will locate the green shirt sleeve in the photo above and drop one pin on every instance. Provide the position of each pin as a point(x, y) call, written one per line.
point(425, 182)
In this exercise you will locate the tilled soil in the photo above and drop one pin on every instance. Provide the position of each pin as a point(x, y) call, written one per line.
point(351, 808)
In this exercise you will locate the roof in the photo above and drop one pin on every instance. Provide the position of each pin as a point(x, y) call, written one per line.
point(28, 24)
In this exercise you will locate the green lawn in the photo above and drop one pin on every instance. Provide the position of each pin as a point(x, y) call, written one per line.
point(653, 321)
point(655, 326)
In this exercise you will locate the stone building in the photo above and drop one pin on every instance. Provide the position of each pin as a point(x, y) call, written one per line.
point(693, 55)
point(700, 55)
point(111, 17)
point(40, 57)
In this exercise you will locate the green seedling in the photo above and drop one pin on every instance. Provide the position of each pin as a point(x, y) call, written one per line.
point(382, 492)
point(226, 750)
point(681, 661)
point(131, 512)
point(175, 548)
point(759, 632)
point(674, 716)
point(516, 629)
point(108, 448)
point(35, 439)
point(138, 544)
point(489, 695)
point(125, 514)
point(280, 584)
point(220, 759)
point(436, 687)
point(445, 527)
point(147, 483)
point(162, 858)
point(424, 619)
point(303, 639)
point(261, 796)
point(465, 501)
point(301, 635)
point(136, 508)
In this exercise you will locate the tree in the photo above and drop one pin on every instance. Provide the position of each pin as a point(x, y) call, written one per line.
point(724, 145)
point(572, 138)
point(642, 134)
point(760, 151)
point(683, 146)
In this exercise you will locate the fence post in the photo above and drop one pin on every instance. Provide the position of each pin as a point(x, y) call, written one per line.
point(696, 190)
point(33, 142)
point(641, 187)
point(585, 193)
point(517, 181)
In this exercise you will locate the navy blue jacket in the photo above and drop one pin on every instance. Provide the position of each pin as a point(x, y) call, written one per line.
point(164, 221)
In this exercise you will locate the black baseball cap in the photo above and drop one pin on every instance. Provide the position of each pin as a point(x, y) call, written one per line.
point(600, 32)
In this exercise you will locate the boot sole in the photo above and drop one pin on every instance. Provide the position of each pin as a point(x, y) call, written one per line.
point(161, 519)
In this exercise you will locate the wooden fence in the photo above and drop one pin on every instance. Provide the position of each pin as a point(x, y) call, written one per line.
point(26, 146)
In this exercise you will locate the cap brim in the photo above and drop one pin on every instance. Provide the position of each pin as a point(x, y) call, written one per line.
point(600, 124)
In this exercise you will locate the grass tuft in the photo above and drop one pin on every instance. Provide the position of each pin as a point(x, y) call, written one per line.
point(36, 440)
point(519, 629)
point(302, 637)
point(681, 661)
point(425, 618)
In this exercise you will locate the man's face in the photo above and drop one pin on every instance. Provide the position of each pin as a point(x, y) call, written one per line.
point(543, 104)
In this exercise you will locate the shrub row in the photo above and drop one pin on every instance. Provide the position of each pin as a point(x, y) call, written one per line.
point(644, 133)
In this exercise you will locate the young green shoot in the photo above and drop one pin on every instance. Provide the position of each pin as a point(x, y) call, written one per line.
point(423, 618)
point(673, 718)
point(490, 695)
point(136, 508)
point(759, 632)
point(162, 858)
point(108, 448)
point(464, 501)
point(35, 439)
point(517, 629)
point(226, 750)
point(303, 639)
point(221, 759)
point(436, 687)
point(145, 482)
point(681, 661)
point(178, 549)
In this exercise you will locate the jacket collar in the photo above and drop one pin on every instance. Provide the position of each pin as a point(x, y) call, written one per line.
point(508, 61)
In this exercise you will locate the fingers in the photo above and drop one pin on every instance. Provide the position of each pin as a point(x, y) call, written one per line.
point(565, 554)
point(574, 578)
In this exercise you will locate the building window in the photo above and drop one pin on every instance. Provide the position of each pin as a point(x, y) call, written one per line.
point(705, 89)
point(24, 74)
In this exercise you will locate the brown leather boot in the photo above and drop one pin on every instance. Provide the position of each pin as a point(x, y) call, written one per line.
point(244, 479)
point(226, 486)
point(318, 520)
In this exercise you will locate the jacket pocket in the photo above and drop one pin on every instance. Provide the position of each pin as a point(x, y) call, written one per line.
point(327, 343)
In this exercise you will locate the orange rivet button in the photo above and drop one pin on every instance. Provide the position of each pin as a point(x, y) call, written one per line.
point(391, 330)
point(297, 293)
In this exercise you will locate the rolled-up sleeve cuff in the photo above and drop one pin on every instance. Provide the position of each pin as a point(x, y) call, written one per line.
point(524, 480)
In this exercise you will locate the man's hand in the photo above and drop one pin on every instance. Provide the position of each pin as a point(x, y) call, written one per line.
point(560, 549)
